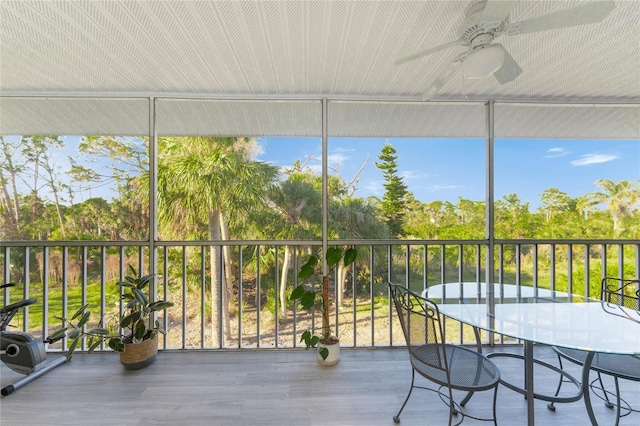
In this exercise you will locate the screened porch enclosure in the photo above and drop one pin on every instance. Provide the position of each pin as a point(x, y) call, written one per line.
point(231, 291)
point(85, 272)
point(218, 144)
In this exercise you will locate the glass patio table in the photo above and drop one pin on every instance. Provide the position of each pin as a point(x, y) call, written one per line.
point(537, 316)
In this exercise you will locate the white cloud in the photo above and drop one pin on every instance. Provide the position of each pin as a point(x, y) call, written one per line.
point(445, 187)
point(375, 187)
point(438, 188)
point(336, 159)
point(316, 168)
point(588, 159)
point(410, 175)
point(556, 152)
point(342, 149)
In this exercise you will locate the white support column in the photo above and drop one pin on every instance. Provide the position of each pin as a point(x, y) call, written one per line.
point(489, 227)
point(153, 198)
point(325, 186)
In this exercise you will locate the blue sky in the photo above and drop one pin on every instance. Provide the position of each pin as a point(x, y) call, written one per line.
point(445, 169)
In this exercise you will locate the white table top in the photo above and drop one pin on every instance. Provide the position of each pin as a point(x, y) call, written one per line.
point(583, 326)
point(475, 292)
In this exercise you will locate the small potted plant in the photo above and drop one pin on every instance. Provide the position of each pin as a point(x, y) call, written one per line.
point(137, 342)
point(328, 345)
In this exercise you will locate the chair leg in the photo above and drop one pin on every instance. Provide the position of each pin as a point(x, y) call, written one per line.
point(551, 406)
point(466, 399)
point(607, 403)
point(495, 400)
point(617, 401)
point(396, 418)
point(452, 410)
point(476, 331)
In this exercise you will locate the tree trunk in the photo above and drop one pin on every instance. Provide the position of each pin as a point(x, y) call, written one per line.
point(58, 210)
point(13, 202)
point(216, 293)
point(10, 223)
point(283, 280)
point(228, 280)
point(343, 273)
point(34, 201)
point(616, 216)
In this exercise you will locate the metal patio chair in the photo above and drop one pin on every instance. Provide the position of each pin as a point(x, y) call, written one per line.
point(618, 293)
point(615, 293)
point(452, 367)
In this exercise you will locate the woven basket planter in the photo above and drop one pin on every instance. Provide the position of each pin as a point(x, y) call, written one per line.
point(139, 355)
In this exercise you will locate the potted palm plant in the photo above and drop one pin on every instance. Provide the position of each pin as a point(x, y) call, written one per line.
point(328, 345)
point(137, 329)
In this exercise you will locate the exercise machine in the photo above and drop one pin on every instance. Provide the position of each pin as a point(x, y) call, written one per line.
point(20, 351)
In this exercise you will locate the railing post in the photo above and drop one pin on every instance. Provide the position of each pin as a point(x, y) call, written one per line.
point(7, 273)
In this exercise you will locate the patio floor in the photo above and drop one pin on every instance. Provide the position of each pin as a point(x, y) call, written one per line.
point(268, 387)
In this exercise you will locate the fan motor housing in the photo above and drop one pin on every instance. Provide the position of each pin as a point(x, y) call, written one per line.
point(472, 27)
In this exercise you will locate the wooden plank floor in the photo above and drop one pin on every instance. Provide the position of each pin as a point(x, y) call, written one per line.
point(278, 387)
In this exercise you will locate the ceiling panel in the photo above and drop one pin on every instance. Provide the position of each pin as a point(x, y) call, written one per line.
point(395, 119)
point(207, 117)
point(189, 117)
point(302, 48)
point(74, 116)
point(219, 54)
point(567, 121)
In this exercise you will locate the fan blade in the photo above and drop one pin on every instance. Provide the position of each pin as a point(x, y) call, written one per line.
point(496, 11)
point(590, 13)
point(509, 70)
point(427, 52)
point(439, 82)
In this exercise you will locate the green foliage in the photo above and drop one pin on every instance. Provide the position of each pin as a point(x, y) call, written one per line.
point(296, 207)
point(270, 303)
point(333, 257)
point(620, 199)
point(194, 176)
point(309, 299)
point(306, 298)
point(193, 181)
point(393, 200)
point(136, 318)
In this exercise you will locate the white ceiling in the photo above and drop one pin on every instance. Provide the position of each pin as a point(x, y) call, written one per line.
point(300, 50)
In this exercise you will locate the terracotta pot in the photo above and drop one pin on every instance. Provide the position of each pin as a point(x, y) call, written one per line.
point(139, 355)
point(334, 354)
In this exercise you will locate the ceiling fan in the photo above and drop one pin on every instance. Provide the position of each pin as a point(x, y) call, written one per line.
point(487, 21)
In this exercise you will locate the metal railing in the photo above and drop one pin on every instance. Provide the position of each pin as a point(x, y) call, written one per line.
point(65, 275)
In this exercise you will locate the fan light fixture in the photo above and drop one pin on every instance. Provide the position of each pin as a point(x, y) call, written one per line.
point(483, 62)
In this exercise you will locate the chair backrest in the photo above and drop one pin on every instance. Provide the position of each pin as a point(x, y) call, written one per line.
point(620, 292)
point(421, 325)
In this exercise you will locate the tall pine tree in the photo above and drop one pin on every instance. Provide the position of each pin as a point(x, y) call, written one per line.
point(393, 200)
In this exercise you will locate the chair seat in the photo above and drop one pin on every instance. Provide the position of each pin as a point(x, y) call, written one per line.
point(452, 367)
point(622, 366)
point(468, 369)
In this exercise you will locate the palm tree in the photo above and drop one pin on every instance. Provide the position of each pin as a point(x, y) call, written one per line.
point(202, 182)
point(298, 203)
point(585, 205)
point(353, 218)
point(619, 197)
